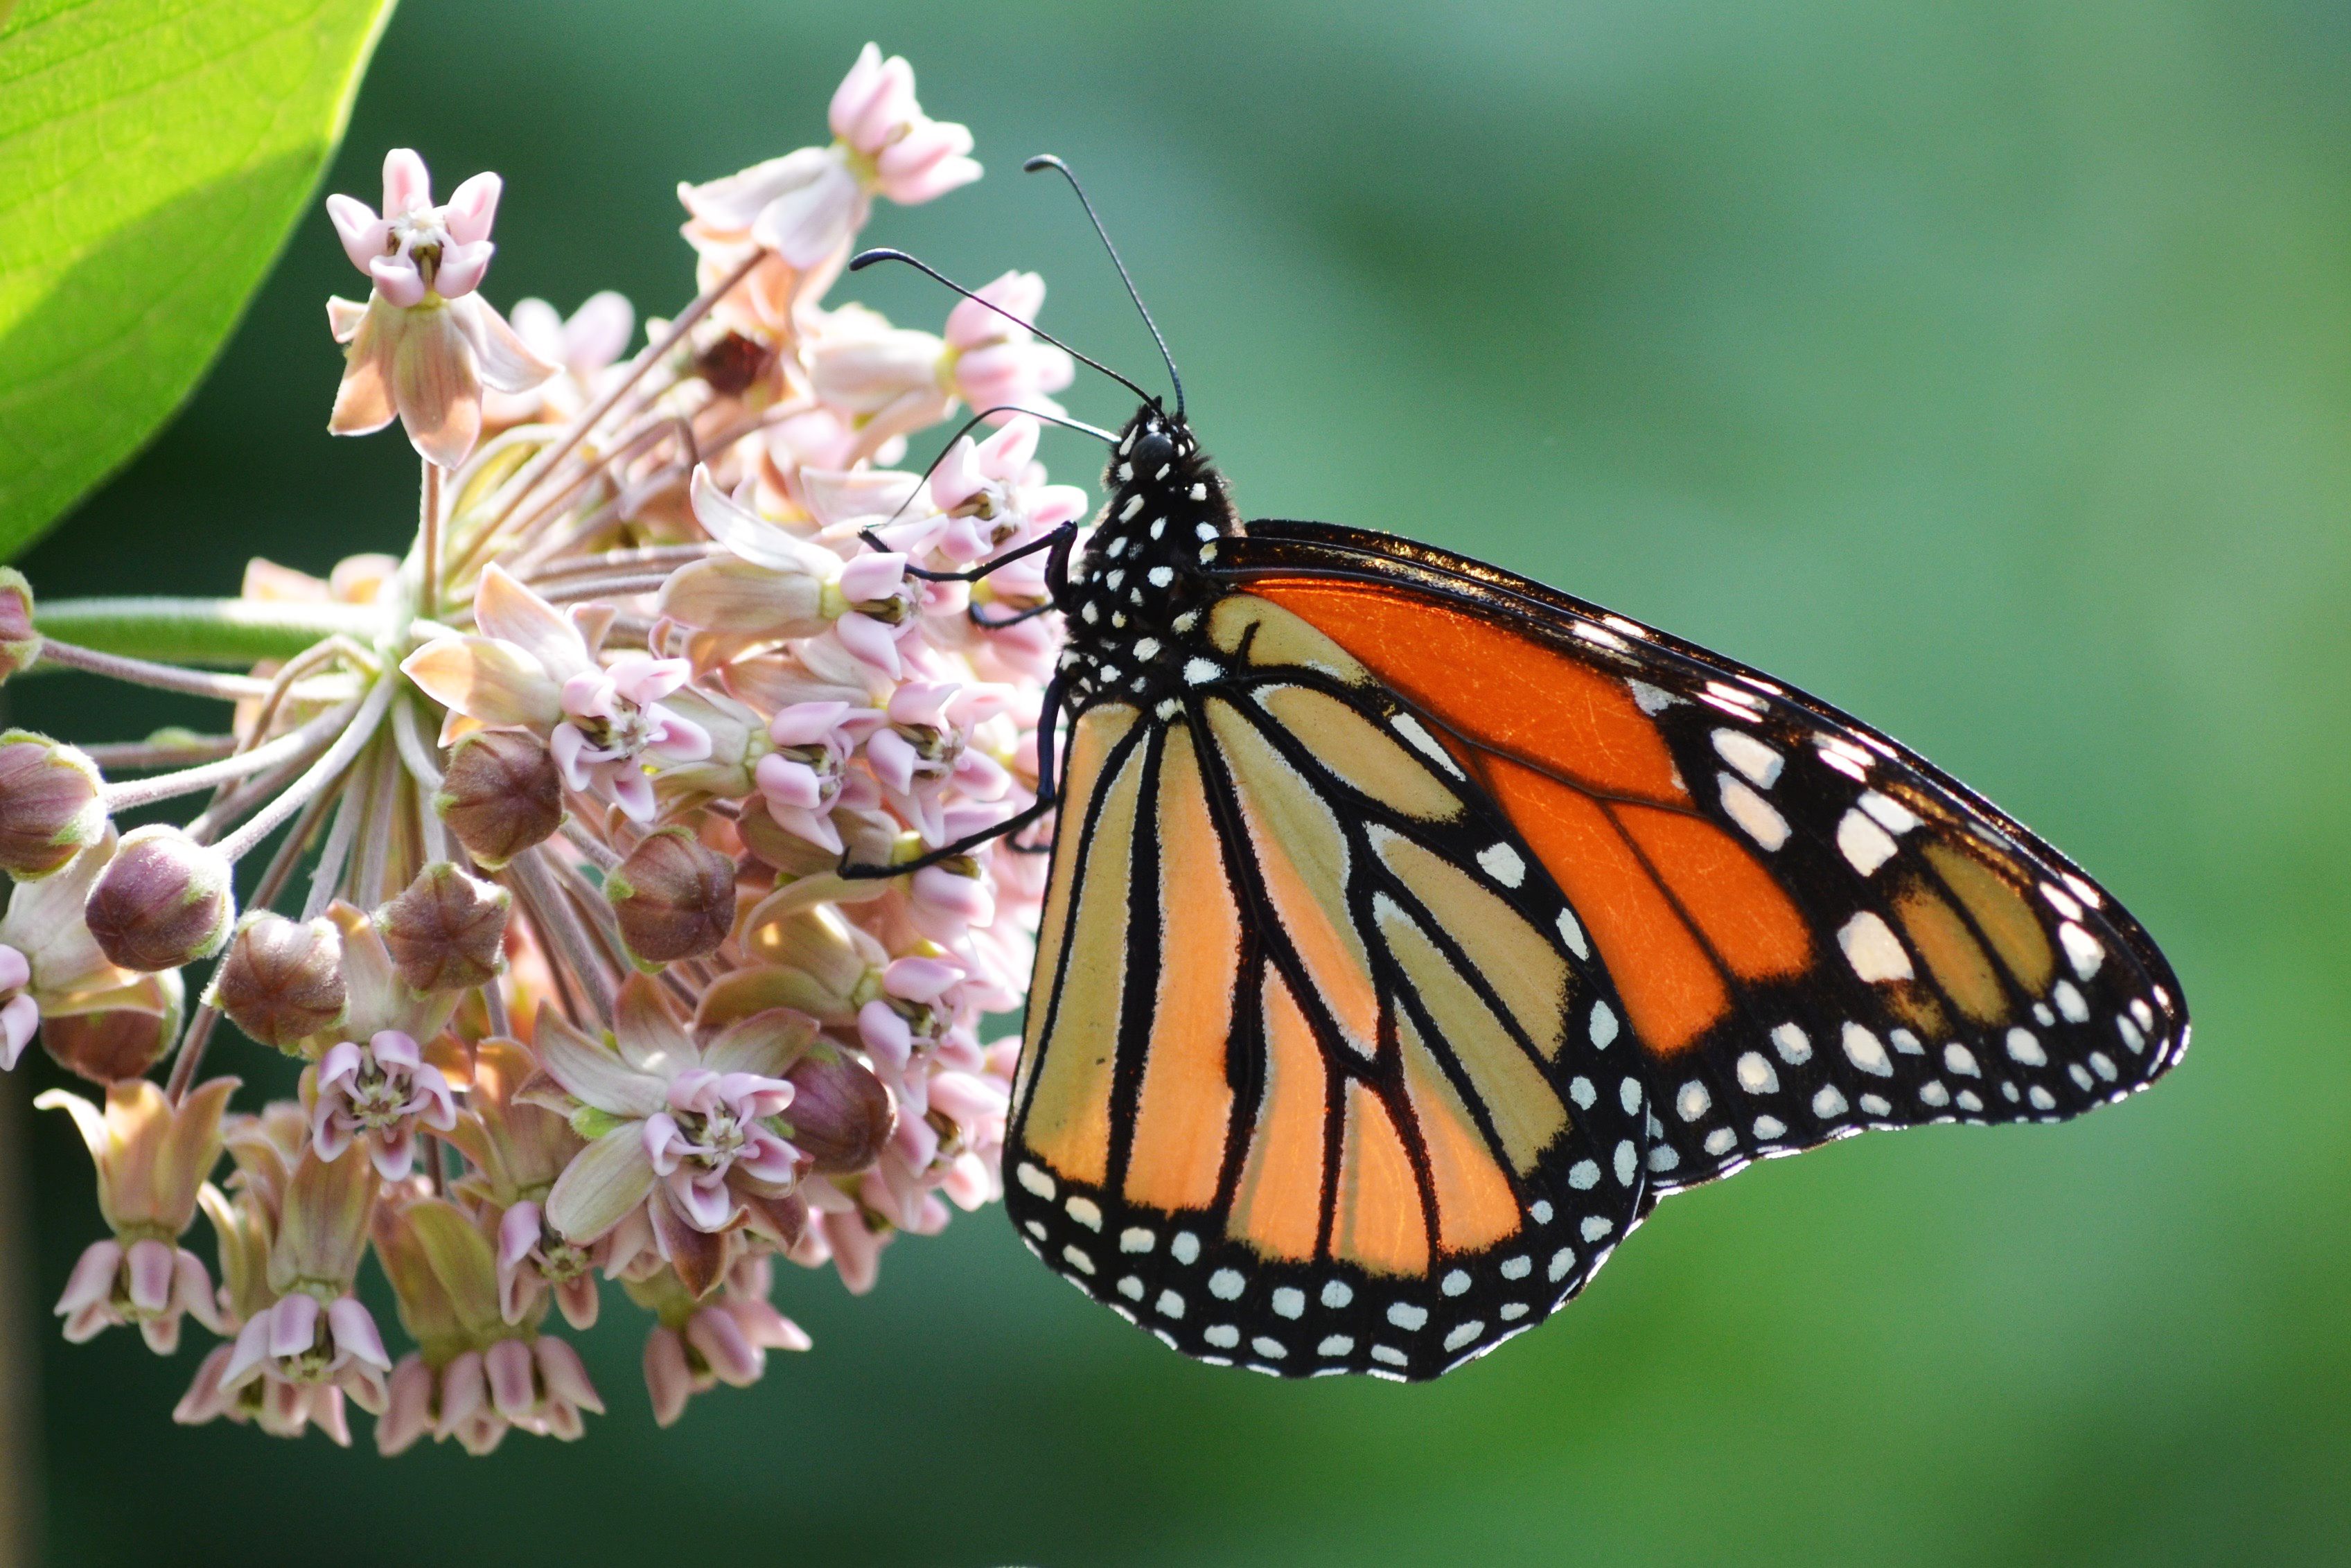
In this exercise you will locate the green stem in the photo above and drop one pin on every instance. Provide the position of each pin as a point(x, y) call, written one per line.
point(231, 633)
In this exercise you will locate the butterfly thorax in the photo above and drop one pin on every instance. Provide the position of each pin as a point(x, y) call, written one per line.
point(1136, 597)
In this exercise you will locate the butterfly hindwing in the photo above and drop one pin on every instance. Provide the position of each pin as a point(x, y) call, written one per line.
point(1319, 1078)
point(1812, 931)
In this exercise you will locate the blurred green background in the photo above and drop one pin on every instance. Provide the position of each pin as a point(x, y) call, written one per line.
point(1985, 368)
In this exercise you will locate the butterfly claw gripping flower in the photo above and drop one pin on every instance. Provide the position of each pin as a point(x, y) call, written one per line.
point(424, 344)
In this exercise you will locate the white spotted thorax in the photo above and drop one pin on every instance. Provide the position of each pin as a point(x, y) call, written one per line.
point(1136, 594)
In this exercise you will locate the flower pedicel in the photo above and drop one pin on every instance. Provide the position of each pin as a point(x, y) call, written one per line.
point(527, 845)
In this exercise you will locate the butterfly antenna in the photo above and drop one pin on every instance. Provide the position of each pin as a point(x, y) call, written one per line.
point(865, 258)
point(1047, 160)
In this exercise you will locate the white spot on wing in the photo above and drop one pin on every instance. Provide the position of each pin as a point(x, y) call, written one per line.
point(1872, 949)
point(1424, 743)
point(1035, 1180)
point(1693, 1102)
point(1793, 1046)
point(1573, 934)
point(1862, 1049)
point(1200, 672)
point(1863, 842)
point(2023, 1046)
point(1227, 1284)
point(1651, 700)
point(1756, 1075)
point(2082, 950)
point(1337, 1293)
point(1604, 1024)
point(1752, 812)
point(1085, 1211)
point(1290, 1301)
point(1892, 815)
point(1503, 863)
point(1758, 761)
point(1135, 1238)
point(1406, 1316)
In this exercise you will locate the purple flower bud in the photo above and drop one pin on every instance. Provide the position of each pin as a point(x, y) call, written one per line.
point(841, 1115)
point(734, 362)
point(282, 980)
point(19, 643)
point(52, 804)
point(162, 901)
point(501, 795)
point(111, 1046)
point(674, 897)
point(446, 931)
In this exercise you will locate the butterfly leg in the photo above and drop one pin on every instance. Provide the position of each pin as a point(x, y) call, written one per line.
point(1048, 719)
point(1059, 535)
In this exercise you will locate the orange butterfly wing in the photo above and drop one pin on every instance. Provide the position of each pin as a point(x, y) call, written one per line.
point(1303, 1087)
point(1813, 930)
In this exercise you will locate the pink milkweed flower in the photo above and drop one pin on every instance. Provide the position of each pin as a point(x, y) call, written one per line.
point(581, 348)
point(538, 669)
point(152, 1158)
point(891, 380)
point(680, 1131)
point(879, 600)
point(725, 1340)
point(534, 1258)
point(425, 342)
point(806, 206)
point(802, 778)
point(924, 752)
point(385, 1088)
point(304, 1343)
point(995, 362)
point(992, 494)
point(415, 249)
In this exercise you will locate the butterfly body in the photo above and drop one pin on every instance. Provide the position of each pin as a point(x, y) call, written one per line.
point(1134, 600)
point(1413, 927)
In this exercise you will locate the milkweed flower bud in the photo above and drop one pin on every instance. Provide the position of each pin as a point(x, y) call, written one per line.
point(674, 896)
point(282, 980)
point(841, 1114)
point(109, 1044)
point(20, 645)
point(447, 931)
point(52, 804)
point(501, 795)
point(162, 901)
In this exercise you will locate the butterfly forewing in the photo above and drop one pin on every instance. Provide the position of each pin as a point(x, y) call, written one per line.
point(1811, 930)
point(1320, 1074)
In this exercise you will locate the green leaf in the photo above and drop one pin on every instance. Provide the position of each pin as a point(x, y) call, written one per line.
point(153, 153)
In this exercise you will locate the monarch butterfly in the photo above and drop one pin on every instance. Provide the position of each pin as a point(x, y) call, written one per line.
point(1412, 928)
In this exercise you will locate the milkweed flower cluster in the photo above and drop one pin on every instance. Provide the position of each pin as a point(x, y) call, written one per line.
point(558, 852)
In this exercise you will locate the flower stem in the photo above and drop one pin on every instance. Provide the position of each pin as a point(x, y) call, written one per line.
point(322, 772)
point(164, 677)
point(188, 781)
point(428, 533)
point(232, 632)
point(557, 921)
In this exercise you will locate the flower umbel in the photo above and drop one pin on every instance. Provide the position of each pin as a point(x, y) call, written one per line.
point(542, 841)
